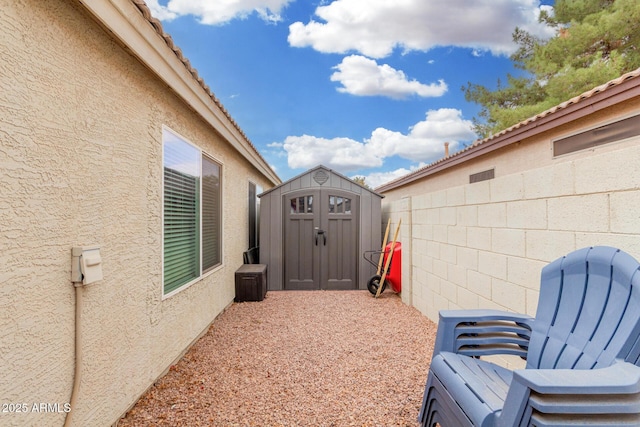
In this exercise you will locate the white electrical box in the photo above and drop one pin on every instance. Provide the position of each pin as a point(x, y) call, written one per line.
point(86, 264)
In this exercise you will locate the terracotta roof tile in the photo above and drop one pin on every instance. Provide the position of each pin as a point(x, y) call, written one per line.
point(575, 100)
point(157, 25)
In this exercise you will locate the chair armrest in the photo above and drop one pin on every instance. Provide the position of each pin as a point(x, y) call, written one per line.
point(483, 332)
point(621, 377)
point(554, 393)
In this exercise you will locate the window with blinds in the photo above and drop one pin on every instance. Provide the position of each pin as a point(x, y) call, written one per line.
point(211, 223)
point(191, 213)
point(253, 216)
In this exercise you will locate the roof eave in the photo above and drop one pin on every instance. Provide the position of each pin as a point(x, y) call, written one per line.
point(130, 21)
point(615, 92)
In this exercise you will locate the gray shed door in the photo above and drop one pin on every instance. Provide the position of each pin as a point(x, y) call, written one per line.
point(321, 239)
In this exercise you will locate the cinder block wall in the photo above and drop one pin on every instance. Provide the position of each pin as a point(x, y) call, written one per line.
point(483, 245)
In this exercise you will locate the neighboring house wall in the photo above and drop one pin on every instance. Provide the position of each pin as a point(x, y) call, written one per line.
point(81, 163)
point(483, 245)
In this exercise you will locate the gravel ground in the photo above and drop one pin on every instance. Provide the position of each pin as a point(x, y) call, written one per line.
point(299, 358)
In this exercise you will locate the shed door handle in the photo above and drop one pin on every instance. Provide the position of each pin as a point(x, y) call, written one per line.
point(324, 237)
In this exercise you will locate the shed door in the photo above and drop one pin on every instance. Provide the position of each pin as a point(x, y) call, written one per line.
point(321, 239)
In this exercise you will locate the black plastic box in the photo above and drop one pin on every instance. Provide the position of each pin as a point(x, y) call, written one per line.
point(251, 282)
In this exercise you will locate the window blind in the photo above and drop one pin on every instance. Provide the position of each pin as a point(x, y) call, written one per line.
point(181, 212)
point(211, 215)
point(192, 238)
point(181, 258)
point(253, 218)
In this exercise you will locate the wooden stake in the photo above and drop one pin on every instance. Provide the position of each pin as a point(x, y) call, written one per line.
point(384, 243)
point(386, 264)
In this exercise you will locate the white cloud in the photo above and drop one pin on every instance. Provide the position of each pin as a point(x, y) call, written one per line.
point(343, 154)
point(276, 149)
point(424, 142)
point(159, 11)
point(375, 27)
point(364, 77)
point(218, 12)
point(376, 179)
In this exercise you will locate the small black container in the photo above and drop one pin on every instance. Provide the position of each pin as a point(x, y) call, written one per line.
point(251, 282)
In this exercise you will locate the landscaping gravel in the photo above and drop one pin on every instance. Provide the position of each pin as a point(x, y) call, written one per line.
point(299, 358)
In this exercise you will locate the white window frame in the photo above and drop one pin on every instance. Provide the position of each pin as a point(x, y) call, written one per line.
point(218, 266)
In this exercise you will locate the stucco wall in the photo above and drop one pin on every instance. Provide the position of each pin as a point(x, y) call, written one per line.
point(483, 245)
point(81, 164)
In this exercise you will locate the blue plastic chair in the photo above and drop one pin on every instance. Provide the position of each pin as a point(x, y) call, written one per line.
point(582, 351)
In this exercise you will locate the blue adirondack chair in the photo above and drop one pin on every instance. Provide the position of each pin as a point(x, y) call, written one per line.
point(582, 351)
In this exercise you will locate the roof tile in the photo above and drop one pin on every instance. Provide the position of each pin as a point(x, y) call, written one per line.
point(553, 110)
point(157, 25)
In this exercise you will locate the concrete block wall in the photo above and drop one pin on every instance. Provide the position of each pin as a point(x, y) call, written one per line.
point(483, 245)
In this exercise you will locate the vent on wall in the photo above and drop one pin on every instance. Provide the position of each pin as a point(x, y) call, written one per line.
point(482, 176)
point(612, 132)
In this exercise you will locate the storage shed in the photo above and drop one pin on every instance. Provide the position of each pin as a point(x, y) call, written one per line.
point(314, 230)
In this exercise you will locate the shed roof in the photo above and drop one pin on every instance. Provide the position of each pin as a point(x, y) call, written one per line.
point(315, 169)
point(613, 92)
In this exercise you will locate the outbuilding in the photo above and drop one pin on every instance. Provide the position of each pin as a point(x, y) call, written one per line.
point(314, 230)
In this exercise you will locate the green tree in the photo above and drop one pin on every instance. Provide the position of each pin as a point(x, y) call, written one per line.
point(596, 41)
point(362, 181)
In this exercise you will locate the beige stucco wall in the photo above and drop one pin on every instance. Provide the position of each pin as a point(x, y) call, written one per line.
point(81, 164)
point(483, 245)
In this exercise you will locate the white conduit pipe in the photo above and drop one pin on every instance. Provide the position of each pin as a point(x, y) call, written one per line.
point(77, 374)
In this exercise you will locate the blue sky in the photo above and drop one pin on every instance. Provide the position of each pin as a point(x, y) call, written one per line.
point(366, 87)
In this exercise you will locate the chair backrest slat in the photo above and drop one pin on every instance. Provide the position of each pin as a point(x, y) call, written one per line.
point(588, 312)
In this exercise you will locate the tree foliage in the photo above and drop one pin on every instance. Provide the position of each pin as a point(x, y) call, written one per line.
point(361, 180)
point(596, 41)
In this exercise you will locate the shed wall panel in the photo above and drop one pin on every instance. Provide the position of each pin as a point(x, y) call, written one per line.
point(272, 223)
